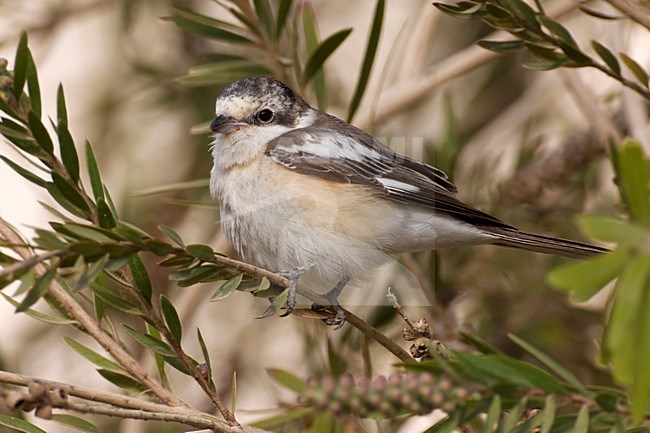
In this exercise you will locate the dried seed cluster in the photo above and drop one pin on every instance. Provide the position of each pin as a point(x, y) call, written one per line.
point(413, 393)
point(39, 396)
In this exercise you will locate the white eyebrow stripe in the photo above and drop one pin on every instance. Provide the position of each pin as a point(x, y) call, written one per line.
point(393, 184)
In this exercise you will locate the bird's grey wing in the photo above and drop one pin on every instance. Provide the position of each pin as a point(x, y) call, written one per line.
point(341, 157)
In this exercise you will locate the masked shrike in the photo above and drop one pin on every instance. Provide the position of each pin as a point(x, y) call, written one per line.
point(302, 190)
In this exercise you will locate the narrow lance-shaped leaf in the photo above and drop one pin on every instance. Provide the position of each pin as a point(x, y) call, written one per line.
point(227, 288)
point(20, 65)
point(201, 252)
point(150, 342)
point(633, 177)
point(92, 356)
point(310, 29)
point(75, 423)
point(41, 135)
point(61, 110)
point(19, 424)
point(24, 173)
point(39, 289)
point(171, 318)
point(141, 277)
point(263, 10)
point(93, 172)
point(368, 59)
point(69, 155)
point(122, 381)
point(287, 379)
point(32, 85)
point(69, 192)
point(208, 30)
point(321, 54)
point(558, 30)
point(635, 68)
point(284, 7)
point(501, 46)
point(171, 234)
point(105, 215)
point(206, 354)
point(608, 57)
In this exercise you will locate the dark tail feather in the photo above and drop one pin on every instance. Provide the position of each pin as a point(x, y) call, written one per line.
point(543, 244)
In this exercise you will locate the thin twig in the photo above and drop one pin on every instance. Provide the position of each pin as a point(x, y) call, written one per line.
point(122, 406)
point(72, 307)
point(638, 10)
point(30, 262)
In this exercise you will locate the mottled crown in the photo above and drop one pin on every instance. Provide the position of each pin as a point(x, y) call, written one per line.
point(242, 97)
point(266, 90)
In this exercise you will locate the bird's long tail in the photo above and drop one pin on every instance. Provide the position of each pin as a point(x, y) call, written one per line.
point(510, 237)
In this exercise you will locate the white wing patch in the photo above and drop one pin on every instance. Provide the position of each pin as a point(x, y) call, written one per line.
point(398, 185)
point(331, 146)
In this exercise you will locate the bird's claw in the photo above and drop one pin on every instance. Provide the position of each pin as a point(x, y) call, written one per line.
point(338, 319)
point(293, 275)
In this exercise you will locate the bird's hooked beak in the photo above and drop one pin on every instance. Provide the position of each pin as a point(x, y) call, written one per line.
point(223, 124)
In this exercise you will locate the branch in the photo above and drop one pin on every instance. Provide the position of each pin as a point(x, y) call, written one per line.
point(638, 10)
point(72, 307)
point(127, 407)
point(29, 262)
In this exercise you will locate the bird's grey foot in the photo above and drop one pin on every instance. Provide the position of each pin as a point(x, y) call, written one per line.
point(292, 291)
point(338, 320)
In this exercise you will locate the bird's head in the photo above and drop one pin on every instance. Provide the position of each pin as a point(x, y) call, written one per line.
point(252, 112)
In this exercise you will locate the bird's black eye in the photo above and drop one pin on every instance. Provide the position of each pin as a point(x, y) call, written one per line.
point(265, 116)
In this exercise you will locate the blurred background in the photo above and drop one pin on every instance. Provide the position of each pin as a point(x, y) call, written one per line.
point(526, 146)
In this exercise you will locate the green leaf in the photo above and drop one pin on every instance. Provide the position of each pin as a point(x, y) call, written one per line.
point(227, 288)
point(61, 110)
point(104, 214)
point(284, 7)
point(91, 273)
point(171, 234)
point(92, 356)
point(32, 85)
point(546, 65)
point(150, 342)
point(43, 317)
point(320, 55)
point(171, 318)
point(39, 289)
point(549, 363)
point(549, 414)
point(463, 11)
point(141, 277)
point(585, 279)
point(254, 285)
point(368, 59)
point(12, 129)
point(85, 231)
point(558, 30)
point(41, 135)
point(64, 202)
point(311, 37)
point(633, 177)
point(636, 69)
point(75, 423)
point(201, 252)
point(521, 10)
point(512, 418)
point(277, 303)
point(115, 299)
point(93, 172)
point(206, 353)
point(446, 425)
point(122, 381)
point(68, 151)
point(509, 370)
point(608, 57)
point(264, 14)
point(287, 379)
point(69, 192)
point(582, 422)
point(222, 72)
point(493, 415)
point(20, 65)
point(19, 424)
point(24, 173)
point(612, 229)
point(209, 31)
point(501, 46)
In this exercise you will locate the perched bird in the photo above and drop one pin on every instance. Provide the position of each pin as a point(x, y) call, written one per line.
point(303, 192)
